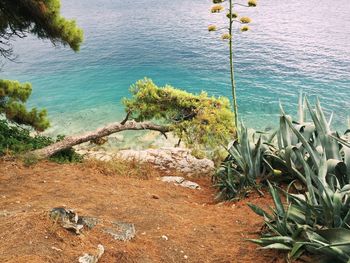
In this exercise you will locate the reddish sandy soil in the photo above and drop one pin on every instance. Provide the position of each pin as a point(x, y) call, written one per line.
point(198, 230)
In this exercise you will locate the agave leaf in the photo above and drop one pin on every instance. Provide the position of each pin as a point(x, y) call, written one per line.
point(336, 235)
point(237, 156)
point(277, 239)
point(277, 200)
point(279, 139)
point(245, 147)
point(308, 175)
point(294, 171)
point(332, 147)
point(301, 110)
point(259, 211)
point(336, 167)
point(330, 120)
point(278, 246)
point(297, 215)
point(296, 251)
point(271, 137)
point(308, 130)
point(322, 118)
point(307, 146)
point(345, 189)
point(346, 151)
point(337, 244)
point(340, 140)
point(273, 227)
point(315, 237)
point(315, 118)
point(257, 159)
point(337, 209)
point(327, 203)
point(323, 169)
point(289, 151)
point(284, 130)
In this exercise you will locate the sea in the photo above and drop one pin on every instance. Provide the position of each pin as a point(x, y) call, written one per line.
point(292, 47)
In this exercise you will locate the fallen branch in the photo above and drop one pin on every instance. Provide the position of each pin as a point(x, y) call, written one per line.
point(71, 141)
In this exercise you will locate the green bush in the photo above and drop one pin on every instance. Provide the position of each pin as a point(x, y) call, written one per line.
point(15, 139)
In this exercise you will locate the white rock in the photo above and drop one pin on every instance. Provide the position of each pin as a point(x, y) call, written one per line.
point(178, 180)
point(172, 179)
point(106, 158)
point(171, 158)
point(87, 258)
point(189, 184)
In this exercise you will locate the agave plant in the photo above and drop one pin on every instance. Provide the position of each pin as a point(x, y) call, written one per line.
point(243, 166)
point(310, 139)
point(318, 220)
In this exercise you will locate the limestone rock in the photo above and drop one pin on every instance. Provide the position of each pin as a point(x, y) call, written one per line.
point(87, 258)
point(189, 184)
point(166, 158)
point(178, 180)
point(121, 231)
point(67, 218)
point(173, 179)
point(70, 220)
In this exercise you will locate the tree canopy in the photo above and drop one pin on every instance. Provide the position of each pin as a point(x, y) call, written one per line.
point(200, 121)
point(13, 96)
point(42, 18)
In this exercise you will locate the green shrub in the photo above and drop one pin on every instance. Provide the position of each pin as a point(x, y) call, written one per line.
point(15, 139)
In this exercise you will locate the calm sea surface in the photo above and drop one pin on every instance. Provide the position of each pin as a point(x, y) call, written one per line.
point(293, 46)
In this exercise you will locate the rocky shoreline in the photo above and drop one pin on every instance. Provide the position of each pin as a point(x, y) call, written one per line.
point(151, 148)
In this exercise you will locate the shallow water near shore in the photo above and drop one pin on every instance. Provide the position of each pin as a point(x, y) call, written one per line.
point(293, 47)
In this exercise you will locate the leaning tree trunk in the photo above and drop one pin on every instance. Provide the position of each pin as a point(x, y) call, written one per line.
point(71, 141)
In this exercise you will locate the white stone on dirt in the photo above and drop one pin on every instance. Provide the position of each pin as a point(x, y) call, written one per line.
point(189, 184)
point(178, 180)
point(172, 179)
point(87, 258)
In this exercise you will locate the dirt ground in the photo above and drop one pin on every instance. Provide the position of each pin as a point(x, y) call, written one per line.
point(198, 230)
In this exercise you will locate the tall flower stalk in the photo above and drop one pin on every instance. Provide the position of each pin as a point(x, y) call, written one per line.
point(227, 35)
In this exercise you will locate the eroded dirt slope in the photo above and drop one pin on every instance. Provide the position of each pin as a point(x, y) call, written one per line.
point(198, 230)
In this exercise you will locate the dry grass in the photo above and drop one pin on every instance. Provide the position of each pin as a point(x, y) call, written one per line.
point(130, 168)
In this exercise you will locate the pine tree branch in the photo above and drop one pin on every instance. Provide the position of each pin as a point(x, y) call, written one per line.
point(71, 141)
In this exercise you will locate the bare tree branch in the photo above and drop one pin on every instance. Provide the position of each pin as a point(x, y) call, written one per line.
point(71, 141)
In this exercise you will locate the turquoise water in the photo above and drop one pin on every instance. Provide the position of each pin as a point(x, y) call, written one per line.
point(293, 46)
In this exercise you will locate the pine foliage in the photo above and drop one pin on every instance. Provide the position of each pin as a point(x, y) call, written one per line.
point(41, 18)
point(202, 122)
point(13, 96)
